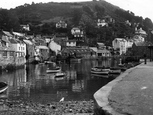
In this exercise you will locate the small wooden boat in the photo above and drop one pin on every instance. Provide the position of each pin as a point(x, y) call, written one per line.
point(52, 68)
point(3, 87)
point(115, 70)
point(60, 74)
point(55, 70)
point(100, 70)
point(100, 75)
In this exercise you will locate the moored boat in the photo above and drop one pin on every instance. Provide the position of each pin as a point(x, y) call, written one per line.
point(3, 87)
point(52, 68)
point(100, 75)
point(115, 70)
point(100, 70)
point(60, 74)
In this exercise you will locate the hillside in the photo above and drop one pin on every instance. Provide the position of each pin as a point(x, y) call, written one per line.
point(42, 18)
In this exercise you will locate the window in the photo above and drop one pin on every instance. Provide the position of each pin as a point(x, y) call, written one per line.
point(5, 53)
point(99, 54)
point(11, 53)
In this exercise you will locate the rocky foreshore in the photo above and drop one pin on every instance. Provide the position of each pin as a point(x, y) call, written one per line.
point(54, 108)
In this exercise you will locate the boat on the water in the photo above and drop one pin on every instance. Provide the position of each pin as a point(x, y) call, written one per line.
point(52, 68)
point(100, 75)
point(60, 74)
point(3, 87)
point(100, 70)
point(115, 70)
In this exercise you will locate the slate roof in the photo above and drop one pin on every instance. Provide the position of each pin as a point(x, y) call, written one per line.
point(7, 33)
point(77, 50)
point(146, 43)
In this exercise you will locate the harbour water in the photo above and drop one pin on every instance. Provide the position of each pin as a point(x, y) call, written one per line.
point(32, 83)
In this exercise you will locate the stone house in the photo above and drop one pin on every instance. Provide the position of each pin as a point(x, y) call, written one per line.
point(61, 24)
point(120, 45)
point(71, 43)
point(41, 49)
point(30, 50)
point(20, 49)
point(140, 32)
point(78, 52)
point(7, 53)
point(102, 23)
point(42, 52)
point(102, 51)
point(78, 34)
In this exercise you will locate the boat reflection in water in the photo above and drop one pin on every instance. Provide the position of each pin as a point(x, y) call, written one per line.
point(32, 83)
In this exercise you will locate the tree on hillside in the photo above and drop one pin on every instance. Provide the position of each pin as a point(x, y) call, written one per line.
point(147, 24)
point(100, 11)
point(76, 16)
point(8, 20)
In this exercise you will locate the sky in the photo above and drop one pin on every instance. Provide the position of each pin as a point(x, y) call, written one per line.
point(138, 7)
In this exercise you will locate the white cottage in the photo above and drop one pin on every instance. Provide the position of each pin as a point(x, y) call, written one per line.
point(20, 49)
point(120, 44)
point(54, 46)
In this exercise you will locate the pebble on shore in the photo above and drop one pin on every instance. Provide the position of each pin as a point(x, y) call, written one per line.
point(53, 108)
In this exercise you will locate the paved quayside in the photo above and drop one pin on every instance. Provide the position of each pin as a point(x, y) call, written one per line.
point(129, 94)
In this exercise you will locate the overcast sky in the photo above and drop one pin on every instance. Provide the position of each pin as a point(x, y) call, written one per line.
point(142, 8)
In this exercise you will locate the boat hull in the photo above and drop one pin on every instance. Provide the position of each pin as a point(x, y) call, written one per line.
point(100, 75)
point(3, 87)
point(100, 72)
point(58, 75)
point(53, 71)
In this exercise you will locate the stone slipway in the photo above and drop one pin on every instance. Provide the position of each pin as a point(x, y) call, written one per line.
point(120, 96)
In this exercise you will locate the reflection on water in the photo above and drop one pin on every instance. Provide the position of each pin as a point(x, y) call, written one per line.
point(32, 83)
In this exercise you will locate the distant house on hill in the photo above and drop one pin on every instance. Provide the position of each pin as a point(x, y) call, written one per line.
point(78, 34)
point(128, 22)
point(138, 38)
point(101, 23)
point(109, 19)
point(61, 24)
point(140, 32)
point(25, 27)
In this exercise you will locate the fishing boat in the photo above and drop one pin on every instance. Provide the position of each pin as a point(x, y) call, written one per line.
point(3, 87)
point(115, 70)
point(60, 76)
point(100, 70)
point(52, 68)
point(99, 75)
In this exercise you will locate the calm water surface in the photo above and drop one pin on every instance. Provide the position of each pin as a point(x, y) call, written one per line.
point(32, 83)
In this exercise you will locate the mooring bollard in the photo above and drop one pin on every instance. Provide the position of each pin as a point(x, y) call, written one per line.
point(145, 59)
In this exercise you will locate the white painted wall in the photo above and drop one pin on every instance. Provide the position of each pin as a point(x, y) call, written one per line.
point(54, 46)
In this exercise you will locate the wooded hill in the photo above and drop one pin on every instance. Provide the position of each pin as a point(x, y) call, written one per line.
point(42, 18)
